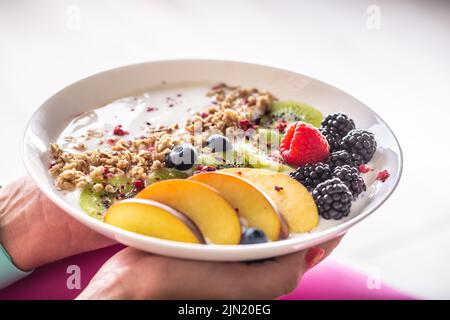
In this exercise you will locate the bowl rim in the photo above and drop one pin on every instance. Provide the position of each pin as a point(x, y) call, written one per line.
point(311, 238)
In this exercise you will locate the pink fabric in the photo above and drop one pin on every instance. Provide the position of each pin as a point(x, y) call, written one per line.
point(329, 280)
point(333, 281)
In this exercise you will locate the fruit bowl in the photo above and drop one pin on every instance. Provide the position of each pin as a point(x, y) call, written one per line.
point(53, 116)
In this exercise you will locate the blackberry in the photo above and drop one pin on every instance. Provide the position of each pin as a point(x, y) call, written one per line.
point(333, 199)
point(311, 175)
point(361, 142)
point(338, 122)
point(342, 157)
point(333, 138)
point(351, 178)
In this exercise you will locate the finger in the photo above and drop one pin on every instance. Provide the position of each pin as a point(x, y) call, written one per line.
point(317, 254)
point(272, 278)
point(330, 245)
point(294, 261)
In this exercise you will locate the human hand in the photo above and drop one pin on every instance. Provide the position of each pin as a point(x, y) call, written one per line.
point(132, 274)
point(35, 231)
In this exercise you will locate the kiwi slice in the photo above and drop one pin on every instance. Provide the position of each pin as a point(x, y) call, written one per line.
point(255, 158)
point(221, 160)
point(94, 203)
point(266, 120)
point(166, 173)
point(270, 136)
point(211, 159)
point(244, 154)
point(122, 184)
point(292, 111)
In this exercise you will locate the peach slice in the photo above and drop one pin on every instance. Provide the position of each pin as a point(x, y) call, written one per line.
point(213, 215)
point(293, 200)
point(250, 202)
point(153, 219)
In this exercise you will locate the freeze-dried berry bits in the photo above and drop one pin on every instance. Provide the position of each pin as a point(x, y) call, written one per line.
point(383, 175)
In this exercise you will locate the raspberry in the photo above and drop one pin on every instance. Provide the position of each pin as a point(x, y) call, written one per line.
point(303, 144)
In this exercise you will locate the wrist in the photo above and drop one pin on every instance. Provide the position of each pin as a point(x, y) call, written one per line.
point(13, 228)
point(9, 273)
point(35, 231)
point(32, 229)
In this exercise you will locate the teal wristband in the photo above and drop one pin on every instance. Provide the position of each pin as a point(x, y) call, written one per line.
point(9, 273)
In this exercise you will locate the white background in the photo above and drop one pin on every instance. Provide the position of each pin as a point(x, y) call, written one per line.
point(401, 70)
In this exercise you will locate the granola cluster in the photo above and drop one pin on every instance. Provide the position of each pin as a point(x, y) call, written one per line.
point(137, 159)
point(231, 108)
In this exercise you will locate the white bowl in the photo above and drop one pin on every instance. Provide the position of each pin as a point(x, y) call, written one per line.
point(51, 118)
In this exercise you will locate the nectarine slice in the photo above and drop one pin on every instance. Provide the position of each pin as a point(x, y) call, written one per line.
point(153, 219)
point(213, 215)
point(293, 200)
point(249, 201)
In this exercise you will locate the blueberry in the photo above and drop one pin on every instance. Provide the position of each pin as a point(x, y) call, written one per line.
point(252, 236)
point(182, 157)
point(218, 143)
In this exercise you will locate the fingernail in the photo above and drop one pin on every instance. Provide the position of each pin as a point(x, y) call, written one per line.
point(313, 256)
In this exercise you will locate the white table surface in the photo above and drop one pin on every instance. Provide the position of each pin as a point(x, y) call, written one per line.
point(400, 69)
